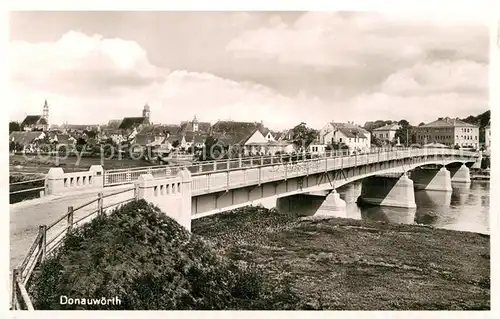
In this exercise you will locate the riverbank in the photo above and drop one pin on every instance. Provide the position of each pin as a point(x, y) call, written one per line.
point(352, 264)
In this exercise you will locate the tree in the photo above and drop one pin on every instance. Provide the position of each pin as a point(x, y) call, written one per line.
point(421, 123)
point(211, 150)
point(302, 135)
point(375, 141)
point(14, 127)
point(405, 133)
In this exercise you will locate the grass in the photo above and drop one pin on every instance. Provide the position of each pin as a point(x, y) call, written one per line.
point(42, 165)
point(357, 264)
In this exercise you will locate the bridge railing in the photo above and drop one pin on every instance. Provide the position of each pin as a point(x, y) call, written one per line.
point(244, 176)
point(50, 237)
point(124, 176)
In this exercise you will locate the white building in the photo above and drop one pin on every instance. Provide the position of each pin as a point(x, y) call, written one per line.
point(487, 137)
point(353, 136)
point(450, 132)
point(387, 132)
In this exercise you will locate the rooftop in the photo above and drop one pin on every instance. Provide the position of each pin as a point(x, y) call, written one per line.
point(33, 120)
point(130, 122)
point(388, 127)
point(448, 122)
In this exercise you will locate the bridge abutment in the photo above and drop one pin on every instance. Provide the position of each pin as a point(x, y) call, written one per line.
point(460, 174)
point(385, 190)
point(58, 182)
point(432, 179)
point(172, 196)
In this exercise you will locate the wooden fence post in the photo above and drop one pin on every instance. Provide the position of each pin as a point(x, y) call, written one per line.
point(15, 274)
point(70, 218)
point(43, 241)
point(99, 204)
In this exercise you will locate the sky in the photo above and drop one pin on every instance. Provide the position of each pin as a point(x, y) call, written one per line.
point(281, 68)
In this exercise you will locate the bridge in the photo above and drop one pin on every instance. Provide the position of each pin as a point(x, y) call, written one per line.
point(189, 192)
point(197, 190)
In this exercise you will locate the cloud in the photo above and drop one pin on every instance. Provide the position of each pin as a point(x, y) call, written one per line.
point(447, 76)
point(349, 39)
point(316, 68)
point(81, 65)
point(91, 79)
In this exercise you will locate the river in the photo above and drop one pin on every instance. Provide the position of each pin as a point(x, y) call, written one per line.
point(466, 208)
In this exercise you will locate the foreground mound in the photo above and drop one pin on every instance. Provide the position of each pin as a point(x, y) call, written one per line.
point(148, 261)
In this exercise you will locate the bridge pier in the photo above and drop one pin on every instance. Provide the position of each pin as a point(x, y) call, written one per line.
point(385, 190)
point(479, 160)
point(432, 179)
point(333, 205)
point(460, 174)
point(313, 204)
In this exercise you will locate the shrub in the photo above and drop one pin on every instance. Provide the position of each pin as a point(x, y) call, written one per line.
point(148, 261)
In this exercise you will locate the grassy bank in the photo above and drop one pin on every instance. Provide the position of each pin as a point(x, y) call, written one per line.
point(357, 264)
point(34, 164)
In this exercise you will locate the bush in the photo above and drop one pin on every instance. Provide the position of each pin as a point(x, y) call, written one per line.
point(148, 261)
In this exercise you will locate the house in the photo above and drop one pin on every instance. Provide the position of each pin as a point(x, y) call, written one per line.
point(248, 137)
point(267, 134)
point(37, 122)
point(61, 138)
point(353, 136)
point(194, 126)
point(80, 127)
point(450, 132)
point(133, 122)
point(34, 123)
point(129, 123)
point(386, 132)
point(194, 139)
point(487, 137)
point(26, 141)
point(282, 136)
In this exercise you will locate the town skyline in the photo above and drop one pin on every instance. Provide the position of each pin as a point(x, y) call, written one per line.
point(245, 67)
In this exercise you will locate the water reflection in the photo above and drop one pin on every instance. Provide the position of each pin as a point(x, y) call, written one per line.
point(465, 208)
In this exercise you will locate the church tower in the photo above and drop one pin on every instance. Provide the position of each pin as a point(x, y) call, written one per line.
point(195, 124)
point(146, 112)
point(46, 111)
point(45, 115)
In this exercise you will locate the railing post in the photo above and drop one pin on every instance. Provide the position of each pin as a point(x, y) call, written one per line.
point(128, 177)
point(43, 241)
point(200, 168)
point(69, 219)
point(262, 160)
point(228, 166)
point(260, 175)
point(15, 275)
point(106, 178)
point(99, 203)
point(239, 162)
point(272, 161)
point(215, 166)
